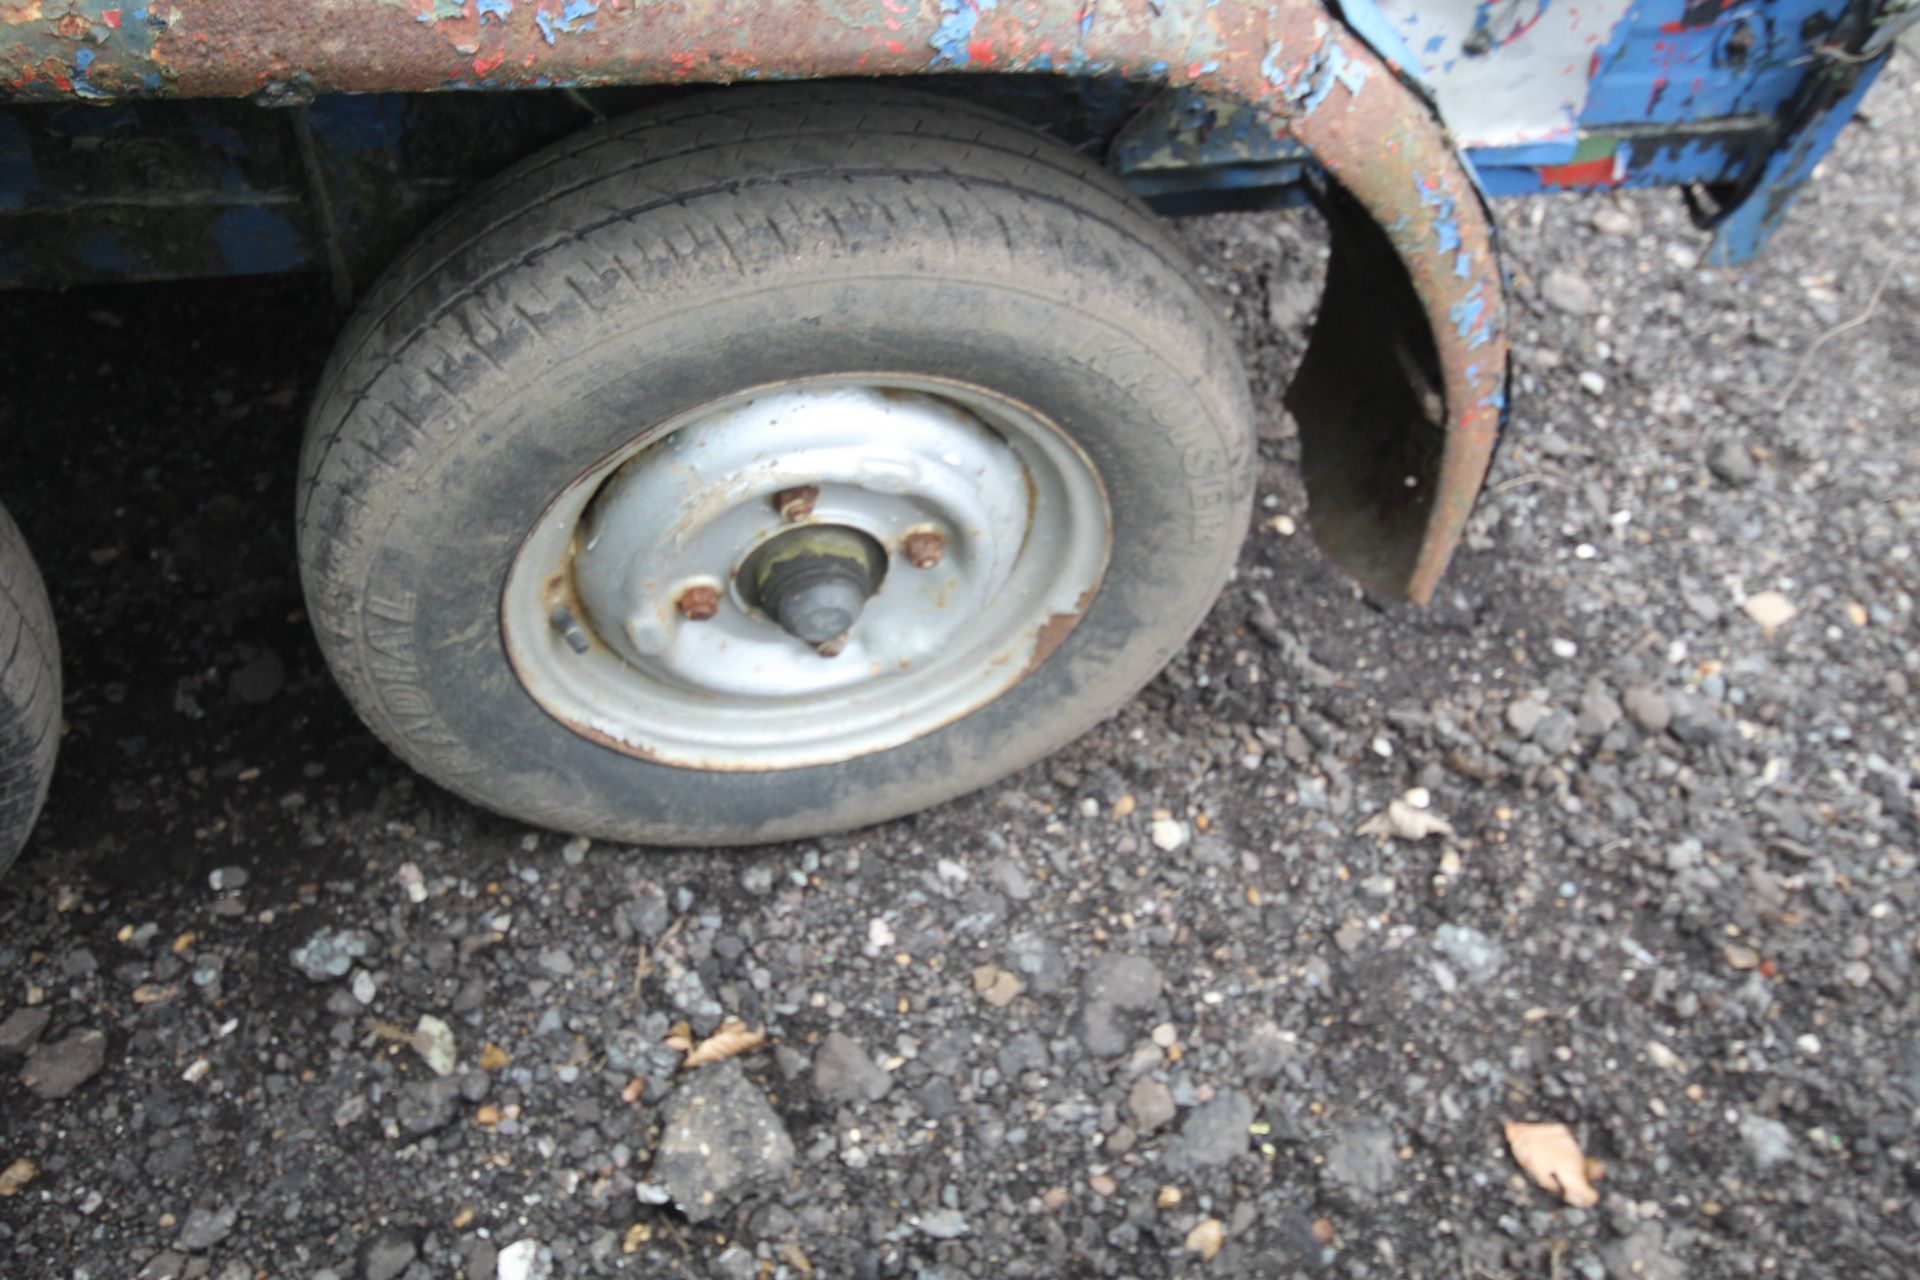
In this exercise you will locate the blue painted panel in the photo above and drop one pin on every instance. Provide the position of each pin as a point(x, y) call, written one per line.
point(1669, 64)
point(1742, 232)
point(256, 240)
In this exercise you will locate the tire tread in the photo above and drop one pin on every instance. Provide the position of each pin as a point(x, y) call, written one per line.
point(705, 194)
point(29, 691)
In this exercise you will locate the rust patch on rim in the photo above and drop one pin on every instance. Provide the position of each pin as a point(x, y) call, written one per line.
point(1054, 631)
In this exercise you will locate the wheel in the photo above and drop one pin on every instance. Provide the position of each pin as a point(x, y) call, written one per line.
point(29, 692)
point(771, 463)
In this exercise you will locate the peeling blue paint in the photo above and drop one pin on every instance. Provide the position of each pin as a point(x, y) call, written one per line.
point(1270, 65)
point(499, 10)
point(83, 60)
point(442, 10)
point(573, 19)
point(1328, 66)
point(950, 39)
point(1446, 227)
point(1374, 27)
point(1469, 316)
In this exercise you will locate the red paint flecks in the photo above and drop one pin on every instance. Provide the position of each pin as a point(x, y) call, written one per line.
point(1659, 89)
point(1524, 27)
point(895, 46)
point(483, 64)
point(981, 51)
point(1581, 173)
point(111, 17)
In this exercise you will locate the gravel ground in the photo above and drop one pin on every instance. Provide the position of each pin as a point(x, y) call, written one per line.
point(1176, 1002)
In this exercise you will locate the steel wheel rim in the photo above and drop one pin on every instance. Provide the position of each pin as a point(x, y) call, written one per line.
point(595, 610)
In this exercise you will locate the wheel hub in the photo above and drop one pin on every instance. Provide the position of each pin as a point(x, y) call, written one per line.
point(919, 535)
point(814, 581)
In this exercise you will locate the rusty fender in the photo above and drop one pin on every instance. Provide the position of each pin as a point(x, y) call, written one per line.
point(1398, 420)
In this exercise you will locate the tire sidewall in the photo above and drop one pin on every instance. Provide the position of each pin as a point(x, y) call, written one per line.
point(429, 650)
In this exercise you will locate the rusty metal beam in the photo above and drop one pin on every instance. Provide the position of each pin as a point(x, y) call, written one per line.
point(1300, 68)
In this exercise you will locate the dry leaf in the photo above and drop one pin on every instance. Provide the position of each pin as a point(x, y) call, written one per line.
point(732, 1039)
point(1770, 609)
point(1206, 1238)
point(679, 1038)
point(1551, 1156)
point(17, 1176)
point(794, 1256)
point(1403, 821)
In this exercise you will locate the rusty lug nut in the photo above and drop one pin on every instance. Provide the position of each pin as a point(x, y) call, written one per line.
point(924, 549)
point(698, 603)
point(834, 647)
point(795, 505)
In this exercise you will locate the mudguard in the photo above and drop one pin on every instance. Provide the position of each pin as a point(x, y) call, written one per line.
point(1402, 392)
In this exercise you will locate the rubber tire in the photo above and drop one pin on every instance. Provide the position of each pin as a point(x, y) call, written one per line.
point(29, 692)
point(734, 239)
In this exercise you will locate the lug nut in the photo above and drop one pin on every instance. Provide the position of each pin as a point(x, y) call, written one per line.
point(563, 621)
point(795, 505)
point(924, 549)
point(698, 603)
